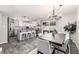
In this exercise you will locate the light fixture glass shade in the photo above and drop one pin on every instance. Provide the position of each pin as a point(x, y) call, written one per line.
point(55, 15)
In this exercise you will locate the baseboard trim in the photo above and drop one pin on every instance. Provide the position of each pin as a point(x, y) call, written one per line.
point(4, 42)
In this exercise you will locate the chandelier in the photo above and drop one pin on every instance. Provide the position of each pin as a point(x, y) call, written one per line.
point(55, 14)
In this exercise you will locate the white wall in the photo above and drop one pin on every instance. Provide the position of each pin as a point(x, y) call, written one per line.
point(3, 29)
point(77, 33)
point(67, 18)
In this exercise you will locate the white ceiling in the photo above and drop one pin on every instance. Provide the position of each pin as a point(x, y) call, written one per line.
point(35, 11)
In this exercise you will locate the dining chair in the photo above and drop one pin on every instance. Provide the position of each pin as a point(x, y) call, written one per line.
point(60, 38)
point(33, 34)
point(64, 48)
point(44, 46)
point(28, 35)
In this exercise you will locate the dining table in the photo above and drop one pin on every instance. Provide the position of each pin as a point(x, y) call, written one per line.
point(55, 42)
point(52, 39)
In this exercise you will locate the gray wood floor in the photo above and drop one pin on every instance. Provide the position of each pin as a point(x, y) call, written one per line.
point(73, 48)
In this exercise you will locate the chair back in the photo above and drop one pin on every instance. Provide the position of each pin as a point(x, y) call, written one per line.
point(60, 38)
point(44, 46)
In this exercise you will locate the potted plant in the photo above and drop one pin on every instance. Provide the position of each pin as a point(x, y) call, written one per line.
point(71, 28)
